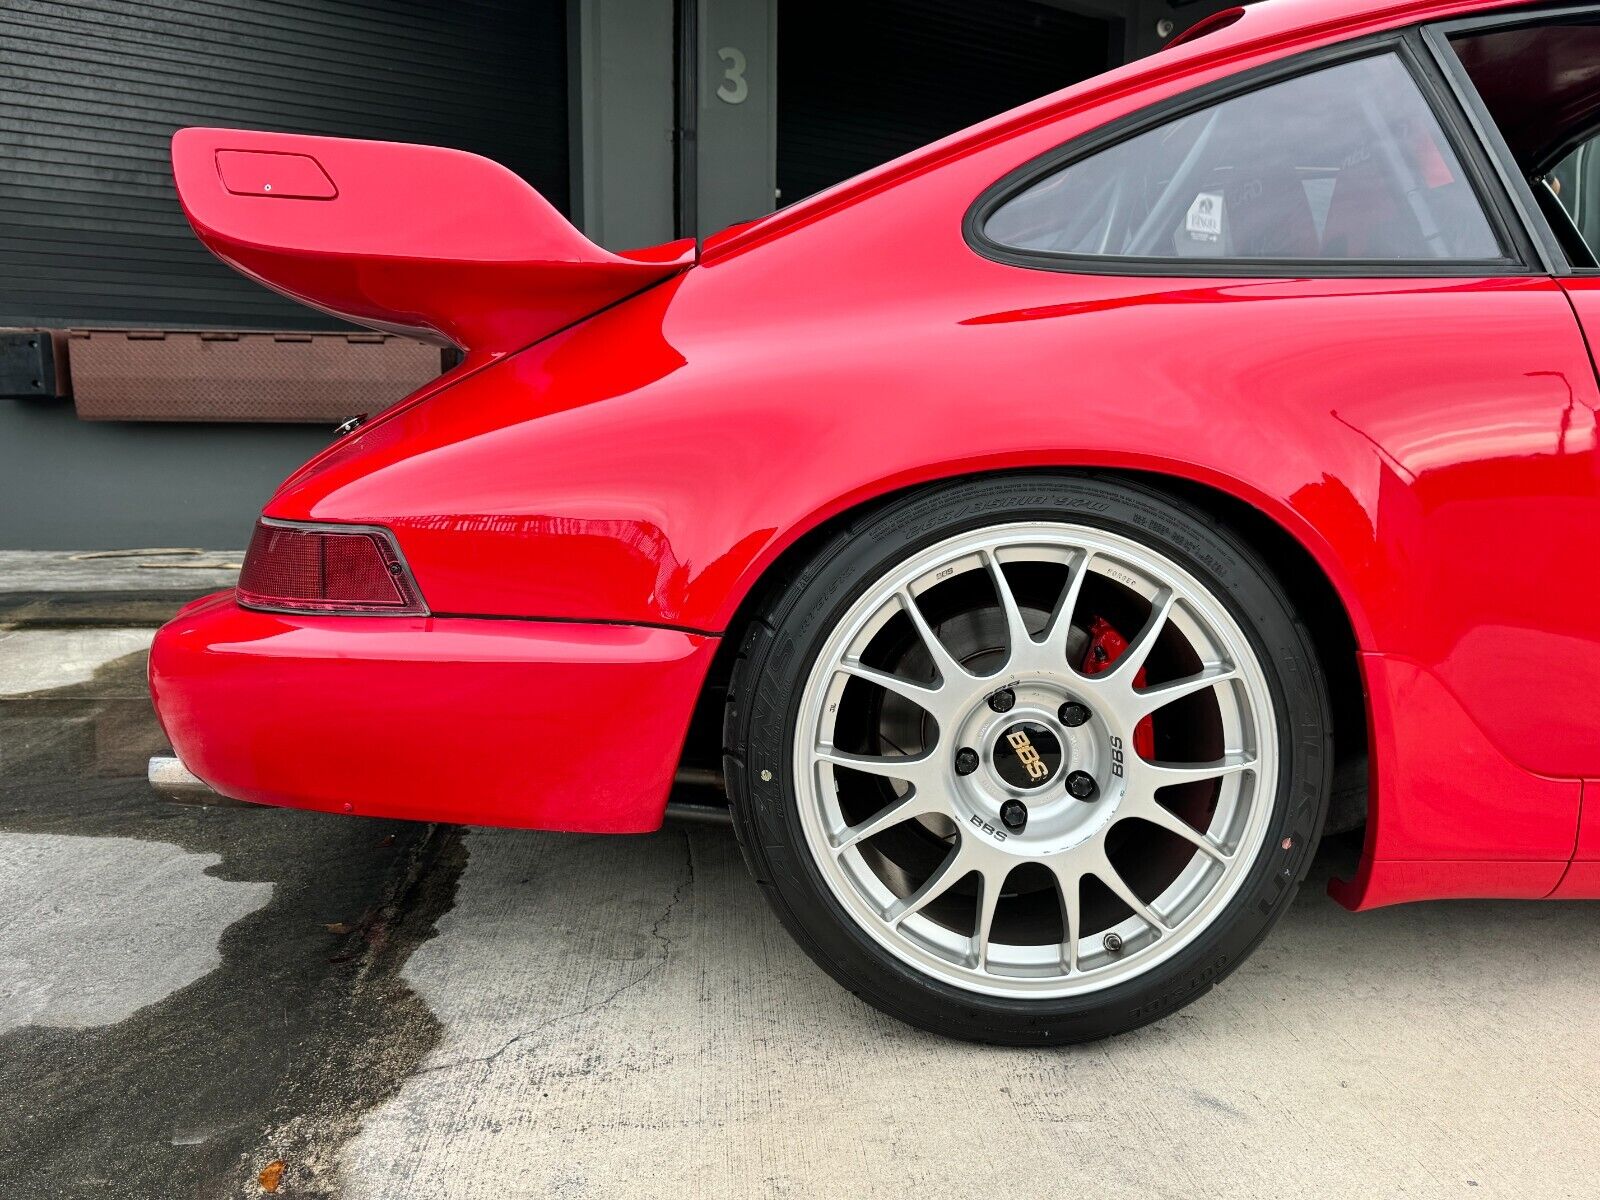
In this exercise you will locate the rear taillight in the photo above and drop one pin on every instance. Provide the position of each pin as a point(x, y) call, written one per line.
point(326, 568)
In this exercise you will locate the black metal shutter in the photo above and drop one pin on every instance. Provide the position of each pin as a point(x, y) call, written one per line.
point(863, 81)
point(90, 92)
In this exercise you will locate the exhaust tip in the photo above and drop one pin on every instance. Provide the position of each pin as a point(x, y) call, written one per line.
point(171, 780)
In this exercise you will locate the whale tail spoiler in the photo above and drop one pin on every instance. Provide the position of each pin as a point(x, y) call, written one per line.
point(433, 243)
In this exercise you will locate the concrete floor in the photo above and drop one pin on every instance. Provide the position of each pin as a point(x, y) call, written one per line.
point(557, 1015)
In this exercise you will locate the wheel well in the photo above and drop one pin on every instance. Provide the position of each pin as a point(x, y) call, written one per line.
point(1299, 574)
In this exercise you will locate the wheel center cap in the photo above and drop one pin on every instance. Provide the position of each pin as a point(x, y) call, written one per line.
point(1027, 755)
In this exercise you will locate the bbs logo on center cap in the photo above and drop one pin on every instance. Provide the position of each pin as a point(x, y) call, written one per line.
point(1027, 755)
point(1023, 745)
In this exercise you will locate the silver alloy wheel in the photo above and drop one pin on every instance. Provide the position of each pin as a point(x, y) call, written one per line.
point(928, 922)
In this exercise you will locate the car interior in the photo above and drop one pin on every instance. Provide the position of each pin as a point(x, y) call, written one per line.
point(1541, 85)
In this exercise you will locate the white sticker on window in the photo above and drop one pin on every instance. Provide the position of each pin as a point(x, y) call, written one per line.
point(1204, 221)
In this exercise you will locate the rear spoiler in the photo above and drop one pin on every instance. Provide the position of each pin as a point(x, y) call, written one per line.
point(434, 243)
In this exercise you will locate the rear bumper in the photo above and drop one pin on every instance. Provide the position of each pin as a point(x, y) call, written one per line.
point(529, 724)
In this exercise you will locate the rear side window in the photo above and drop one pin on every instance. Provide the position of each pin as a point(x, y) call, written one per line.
point(1541, 87)
point(1346, 162)
point(1575, 181)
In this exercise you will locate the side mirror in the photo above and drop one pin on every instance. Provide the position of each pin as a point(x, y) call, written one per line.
point(418, 240)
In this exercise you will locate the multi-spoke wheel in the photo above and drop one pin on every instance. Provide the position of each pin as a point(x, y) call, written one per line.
point(1029, 760)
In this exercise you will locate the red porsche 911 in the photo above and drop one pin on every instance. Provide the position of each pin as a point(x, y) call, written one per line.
point(1038, 534)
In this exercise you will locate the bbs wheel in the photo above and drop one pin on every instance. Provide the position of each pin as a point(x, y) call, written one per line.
point(1029, 760)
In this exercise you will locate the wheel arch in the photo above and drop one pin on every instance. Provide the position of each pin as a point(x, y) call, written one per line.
point(1320, 603)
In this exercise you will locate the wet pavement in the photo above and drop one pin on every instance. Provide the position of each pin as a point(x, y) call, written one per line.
point(188, 995)
point(175, 1010)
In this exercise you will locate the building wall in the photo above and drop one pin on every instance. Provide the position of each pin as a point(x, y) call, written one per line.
point(623, 118)
point(67, 484)
point(91, 233)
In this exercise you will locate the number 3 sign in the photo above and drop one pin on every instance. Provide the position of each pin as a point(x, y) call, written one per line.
point(734, 87)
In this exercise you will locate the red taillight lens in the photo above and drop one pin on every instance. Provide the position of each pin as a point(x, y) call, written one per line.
point(326, 568)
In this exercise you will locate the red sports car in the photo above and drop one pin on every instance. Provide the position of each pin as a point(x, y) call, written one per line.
point(1031, 531)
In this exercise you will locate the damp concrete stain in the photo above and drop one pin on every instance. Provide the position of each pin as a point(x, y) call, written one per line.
point(550, 939)
point(176, 1011)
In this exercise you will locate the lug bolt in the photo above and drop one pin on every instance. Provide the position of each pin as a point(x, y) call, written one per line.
point(1073, 714)
point(1003, 700)
point(1113, 942)
point(1081, 785)
point(1014, 815)
point(966, 760)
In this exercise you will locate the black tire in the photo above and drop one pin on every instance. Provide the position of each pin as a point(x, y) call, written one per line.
point(782, 642)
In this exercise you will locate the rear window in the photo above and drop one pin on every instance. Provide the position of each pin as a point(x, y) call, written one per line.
point(1346, 162)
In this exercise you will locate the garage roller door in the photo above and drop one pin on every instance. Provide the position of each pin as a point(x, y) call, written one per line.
point(90, 91)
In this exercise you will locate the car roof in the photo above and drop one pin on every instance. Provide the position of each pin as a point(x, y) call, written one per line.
point(1274, 21)
point(1263, 30)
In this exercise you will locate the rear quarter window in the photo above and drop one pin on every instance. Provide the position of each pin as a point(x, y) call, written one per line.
point(1346, 162)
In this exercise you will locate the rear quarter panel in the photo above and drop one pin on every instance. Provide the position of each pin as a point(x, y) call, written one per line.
point(1431, 443)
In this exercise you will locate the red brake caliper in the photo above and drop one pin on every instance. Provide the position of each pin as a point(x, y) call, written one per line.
point(1105, 644)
